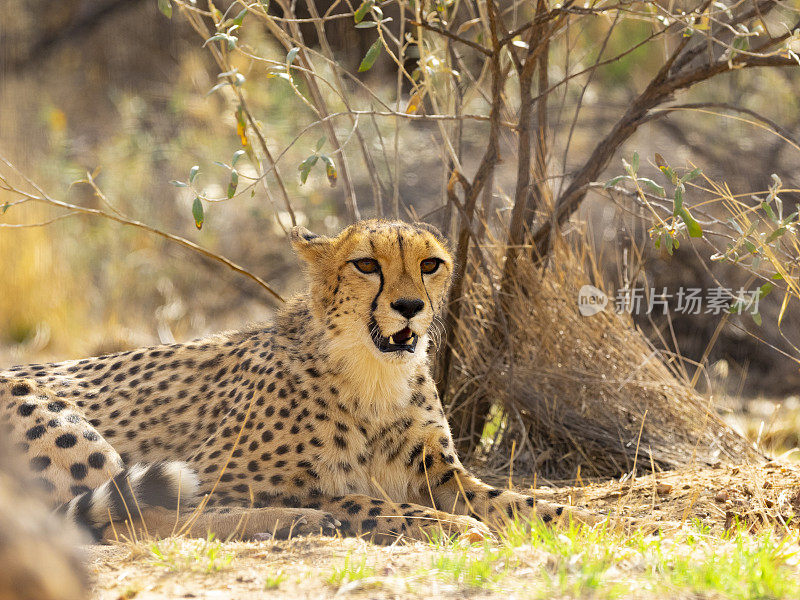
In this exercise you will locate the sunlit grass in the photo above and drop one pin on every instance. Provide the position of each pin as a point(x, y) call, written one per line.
point(273, 581)
point(205, 556)
point(473, 569)
point(579, 562)
point(353, 569)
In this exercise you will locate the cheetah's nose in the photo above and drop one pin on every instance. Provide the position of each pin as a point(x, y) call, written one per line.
point(408, 307)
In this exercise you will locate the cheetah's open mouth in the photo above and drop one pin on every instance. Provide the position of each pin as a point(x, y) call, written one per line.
point(405, 339)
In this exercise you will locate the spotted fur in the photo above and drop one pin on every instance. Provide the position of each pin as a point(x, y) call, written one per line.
point(302, 424)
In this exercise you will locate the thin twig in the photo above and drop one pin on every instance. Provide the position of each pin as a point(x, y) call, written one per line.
point(74, 209)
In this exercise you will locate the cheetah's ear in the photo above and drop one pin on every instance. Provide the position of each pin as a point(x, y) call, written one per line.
point(309, 246)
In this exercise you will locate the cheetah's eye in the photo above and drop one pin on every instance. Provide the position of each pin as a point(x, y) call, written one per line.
point(430, 265)
point(367, 265)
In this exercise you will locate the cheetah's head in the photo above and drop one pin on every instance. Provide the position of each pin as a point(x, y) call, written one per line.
point(378, 285)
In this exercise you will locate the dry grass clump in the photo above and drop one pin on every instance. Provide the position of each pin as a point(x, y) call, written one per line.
point(757, 498)
point(576, 394)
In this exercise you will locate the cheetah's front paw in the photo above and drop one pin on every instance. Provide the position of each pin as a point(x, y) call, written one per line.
point(301, 522)
point(467, 528)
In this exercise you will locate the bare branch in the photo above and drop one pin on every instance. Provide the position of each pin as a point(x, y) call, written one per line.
point(659, 90)
point(75, 209)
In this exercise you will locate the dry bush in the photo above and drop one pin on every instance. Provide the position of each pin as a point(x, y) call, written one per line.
point(579, 394)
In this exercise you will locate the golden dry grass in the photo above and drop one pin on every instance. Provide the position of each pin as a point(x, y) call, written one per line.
point(42, 297)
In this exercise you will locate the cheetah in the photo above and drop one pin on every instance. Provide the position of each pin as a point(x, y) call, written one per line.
point(326, 420)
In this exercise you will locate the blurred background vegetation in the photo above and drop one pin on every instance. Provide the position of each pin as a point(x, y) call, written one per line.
point(116, 89)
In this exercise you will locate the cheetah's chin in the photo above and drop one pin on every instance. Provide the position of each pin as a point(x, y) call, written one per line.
point(403, 340)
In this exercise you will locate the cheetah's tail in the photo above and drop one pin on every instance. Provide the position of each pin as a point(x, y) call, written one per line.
point(163, 484)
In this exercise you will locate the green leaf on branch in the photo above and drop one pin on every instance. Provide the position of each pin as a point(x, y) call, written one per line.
point(653, 185)
point(179, 183)
point(371, 56)
point(236, 156)
point(233, 183)
point(614, 181)
point(775, 235)
point(678, 202)
point(330, 170)
point(770, 213)
point(197, 213)
point(306, 166)
point(693, 174)
point(230, 40)
point(193, 173)
point(165, 6)
point(362, 10)
point(240, 17)
point(692, 226)
point(291, 55)
point(669, 174)
point(765, 289)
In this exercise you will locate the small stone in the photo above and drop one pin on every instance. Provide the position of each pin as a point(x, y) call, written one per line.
point(662, 489)
point(721, 496)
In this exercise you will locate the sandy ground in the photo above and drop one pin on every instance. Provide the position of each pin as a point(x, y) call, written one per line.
point(760, 496)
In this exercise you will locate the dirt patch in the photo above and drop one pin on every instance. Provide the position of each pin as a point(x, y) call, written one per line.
point(300, 568)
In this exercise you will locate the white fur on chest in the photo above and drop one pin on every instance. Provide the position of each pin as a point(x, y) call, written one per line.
point(377, 390)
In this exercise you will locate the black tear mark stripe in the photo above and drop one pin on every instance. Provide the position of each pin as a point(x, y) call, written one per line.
point(425, 287)
point(374, 305)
